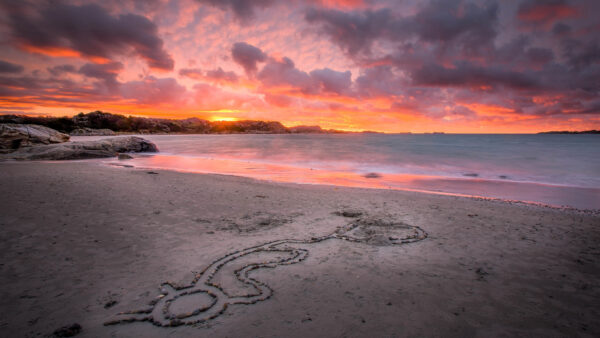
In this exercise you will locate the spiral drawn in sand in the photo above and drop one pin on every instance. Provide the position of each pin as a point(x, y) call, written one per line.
point(210, 300)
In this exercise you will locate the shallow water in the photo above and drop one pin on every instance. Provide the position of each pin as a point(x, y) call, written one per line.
point(550, 169)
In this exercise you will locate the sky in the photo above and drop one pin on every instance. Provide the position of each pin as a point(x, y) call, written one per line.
point(392, 66)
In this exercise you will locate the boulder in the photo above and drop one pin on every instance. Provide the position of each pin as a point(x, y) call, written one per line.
point(92, 132)
point(14, 136)
point(85, 149)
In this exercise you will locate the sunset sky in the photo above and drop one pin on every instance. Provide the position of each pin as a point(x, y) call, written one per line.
point(394, 66)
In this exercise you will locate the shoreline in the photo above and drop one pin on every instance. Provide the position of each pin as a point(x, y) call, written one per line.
point(124, 165)
point(83, 242)
point(421, 191)
point(552, 195)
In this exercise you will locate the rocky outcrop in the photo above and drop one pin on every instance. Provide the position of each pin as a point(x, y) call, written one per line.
point(92, 132)
point(82, 150)
point(15, 136)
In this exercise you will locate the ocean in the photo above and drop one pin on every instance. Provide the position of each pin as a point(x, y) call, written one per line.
point(554, 169)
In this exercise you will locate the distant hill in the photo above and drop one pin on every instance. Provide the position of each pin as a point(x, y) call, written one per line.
point(572, 132)
point(142, 125)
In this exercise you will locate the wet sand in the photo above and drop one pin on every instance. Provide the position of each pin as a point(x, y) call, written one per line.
point(81, 242)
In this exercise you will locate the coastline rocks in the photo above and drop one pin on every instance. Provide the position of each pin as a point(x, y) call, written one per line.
point(83, 150)
point(92, 132)
point(14, 136)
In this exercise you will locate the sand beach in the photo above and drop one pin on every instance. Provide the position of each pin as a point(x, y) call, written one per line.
point(82, 242)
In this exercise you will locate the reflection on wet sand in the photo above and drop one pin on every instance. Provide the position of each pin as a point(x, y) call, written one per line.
point(578, 197)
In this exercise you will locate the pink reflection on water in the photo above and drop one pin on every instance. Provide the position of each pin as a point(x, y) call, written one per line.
point(586, 198)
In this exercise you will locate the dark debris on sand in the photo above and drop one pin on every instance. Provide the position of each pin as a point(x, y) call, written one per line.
point(68, 331)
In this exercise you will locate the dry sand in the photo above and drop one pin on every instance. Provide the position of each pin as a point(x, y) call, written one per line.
point(81, 242)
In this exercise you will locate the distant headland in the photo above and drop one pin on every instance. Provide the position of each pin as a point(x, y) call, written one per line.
point(91, 123)
point(572, 132)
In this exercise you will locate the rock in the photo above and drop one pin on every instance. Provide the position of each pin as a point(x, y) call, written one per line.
point(68, 331)
point(124, 157)
point(14, 136)
point(84, 149)
point(348, 213)
point(92, 132)
point(372, 175)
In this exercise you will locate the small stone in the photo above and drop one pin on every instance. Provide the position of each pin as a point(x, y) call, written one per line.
point(372, 175)
point(68, 331)
point(348, 213)
point(124, 157)
point(110, 304)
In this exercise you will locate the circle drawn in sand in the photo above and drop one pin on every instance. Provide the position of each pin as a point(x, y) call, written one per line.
point(380, 233)
point(204, 299)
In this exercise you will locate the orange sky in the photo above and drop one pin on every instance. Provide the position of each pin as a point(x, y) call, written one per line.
point(454, 66)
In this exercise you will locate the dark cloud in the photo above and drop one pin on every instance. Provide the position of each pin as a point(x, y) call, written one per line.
point(580, 54)
point(283, 73)
point(331, 81)
point(379, 81)
point(520, 54)
point(561, 29)
point(539, 56)
point(247, 56)
point(61, 69)
point(354, 32)
point(192, 73)
point(107, 73)
point(544, 12)
point(219, 75)
point(8, 67)
point(465, 74)
point(457, 22)
point(243, 10)
point(89, 30)
point(450, 22)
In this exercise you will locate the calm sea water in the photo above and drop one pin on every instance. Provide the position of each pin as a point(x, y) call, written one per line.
point(552, 169)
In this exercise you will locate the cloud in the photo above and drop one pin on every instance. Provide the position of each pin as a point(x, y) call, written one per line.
point(87, 31)
point(247, 56)
point(214, 75)
point(353, 32)
point(8, 67)
point(281, 77)
point(283, 73)
point(467, 75)
point(379, 81)
point(219, 75)
point(152, 90)
point(107, 73)
point(448, 22)
point(545, 12)
point(331, 81)
point(61, 69)
point(243, 10)
point(192, 73)
point(580, 54)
